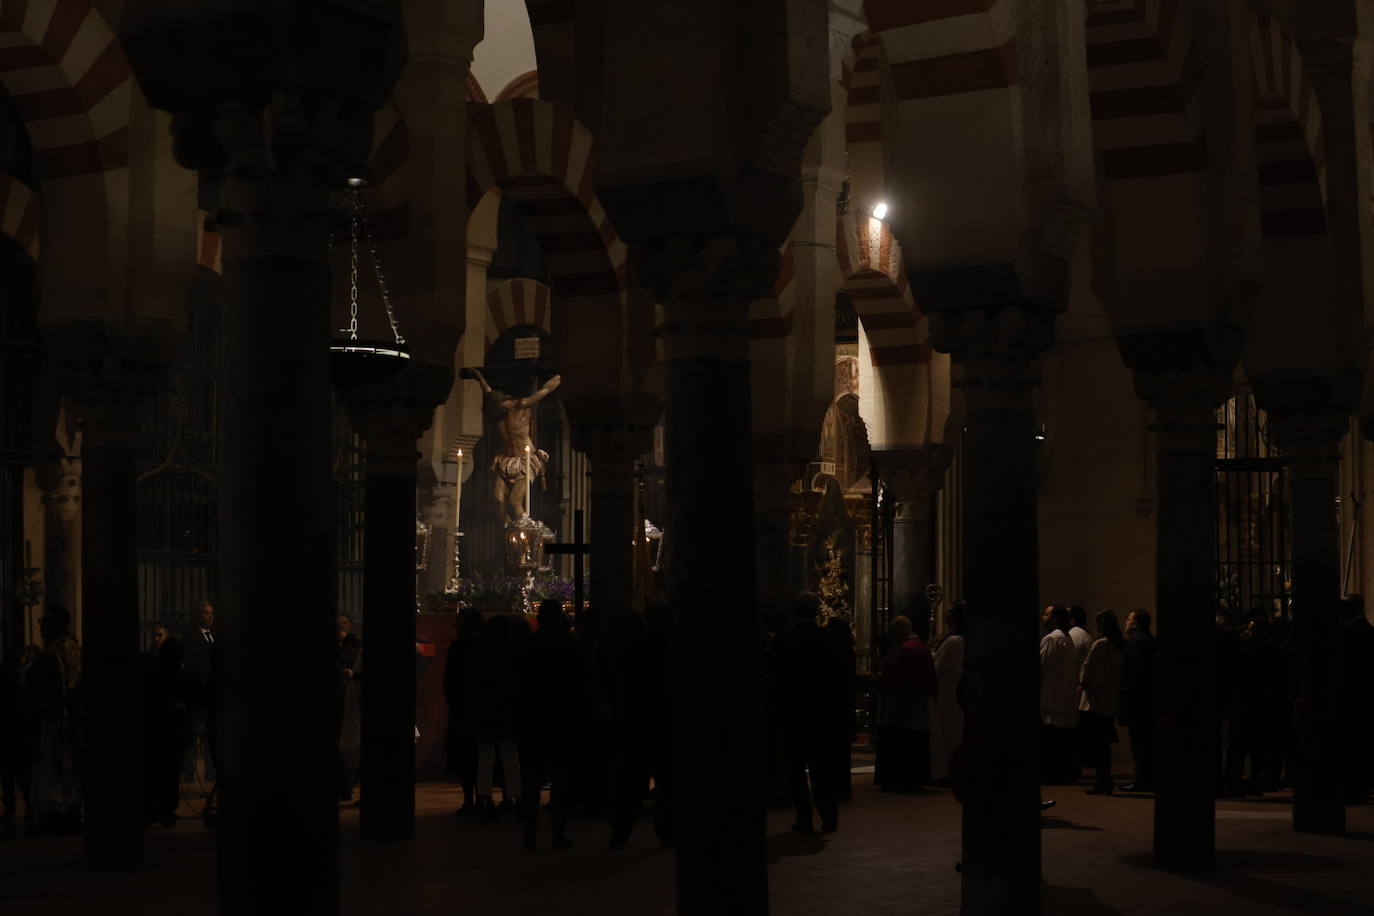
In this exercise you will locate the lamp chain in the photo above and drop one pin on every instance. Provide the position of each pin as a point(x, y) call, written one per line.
point(381, 281)
point(353, 268)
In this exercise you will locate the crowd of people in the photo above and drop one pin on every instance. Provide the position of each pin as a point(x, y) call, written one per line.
point(586, 713)
point(41, 715)
point(531, 706)
point(1090, 685)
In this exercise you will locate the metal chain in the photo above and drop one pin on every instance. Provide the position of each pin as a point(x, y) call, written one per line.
point(353, 268)
point(381, 282)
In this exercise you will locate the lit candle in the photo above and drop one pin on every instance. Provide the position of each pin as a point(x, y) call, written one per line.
point(457, 512)
point(528, 469)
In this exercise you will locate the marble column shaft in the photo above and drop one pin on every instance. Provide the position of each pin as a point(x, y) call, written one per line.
point(913, 476)
point(720, 849)
point(996, 348)
point(1187, 749)
point(277, 660)
point(1313, 445)
point(611, 452)
point(110, 629)
point(387, 698)
point(1001, 813)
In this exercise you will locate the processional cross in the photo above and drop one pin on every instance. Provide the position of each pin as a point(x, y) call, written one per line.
point(577, 549)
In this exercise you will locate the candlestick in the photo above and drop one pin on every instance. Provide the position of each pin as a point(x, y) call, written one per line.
point(528, 468)
point(457, 516)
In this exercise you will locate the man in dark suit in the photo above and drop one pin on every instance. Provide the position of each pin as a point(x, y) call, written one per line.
point(812, 687)
point(198, 655)
point(1136, 710)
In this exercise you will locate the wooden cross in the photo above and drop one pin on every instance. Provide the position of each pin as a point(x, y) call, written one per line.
point(579, 549)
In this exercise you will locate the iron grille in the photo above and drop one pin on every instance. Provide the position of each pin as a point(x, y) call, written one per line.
point(18, 363)
point(178, 493)
point(350, 492)
point(881, 572)
point(1254, 524)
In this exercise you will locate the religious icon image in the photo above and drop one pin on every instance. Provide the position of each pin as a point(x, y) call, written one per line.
point(518, 464)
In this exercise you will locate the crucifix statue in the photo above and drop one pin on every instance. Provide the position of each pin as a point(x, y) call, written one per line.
point(518, 463)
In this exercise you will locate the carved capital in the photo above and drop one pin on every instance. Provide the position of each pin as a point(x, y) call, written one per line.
point(774, 476)
point(110, 392)
point(611, 452)
point(913, 476)
point(390, 428)
point(1309, 415)
point(706, 286)
point(271, 169)
point(1185, 400)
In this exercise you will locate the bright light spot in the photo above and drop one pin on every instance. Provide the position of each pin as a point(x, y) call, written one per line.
point(880, 211)
point(359, 182)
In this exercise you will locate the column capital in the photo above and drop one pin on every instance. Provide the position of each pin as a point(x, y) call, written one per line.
point(1309, 415)
point(914, 475)
point(705, 285)
point(611, 450)
point(775, 471)
point(1185, 400)
point(110, 395)
point(390, 426)
point(997, 349)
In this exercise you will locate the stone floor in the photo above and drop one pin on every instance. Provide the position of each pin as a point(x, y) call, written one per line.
point(893, 854)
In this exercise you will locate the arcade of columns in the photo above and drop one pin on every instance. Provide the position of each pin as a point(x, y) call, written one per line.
point(1205, 169)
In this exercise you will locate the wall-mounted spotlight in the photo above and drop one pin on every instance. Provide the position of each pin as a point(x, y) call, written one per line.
point(880, 211)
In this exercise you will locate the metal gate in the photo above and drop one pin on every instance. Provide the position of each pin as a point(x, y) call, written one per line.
point(18, 363)
point(1254, 524)
point(178, 492)
point(881, 571)
point(350, 493)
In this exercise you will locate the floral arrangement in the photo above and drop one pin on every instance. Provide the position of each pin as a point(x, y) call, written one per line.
point(507, 589)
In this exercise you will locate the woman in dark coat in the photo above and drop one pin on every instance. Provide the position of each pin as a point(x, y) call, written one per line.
point(461, 739)
point(492, 689)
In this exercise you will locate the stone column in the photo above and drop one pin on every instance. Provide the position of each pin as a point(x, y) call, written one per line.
point(1187, 750)
point(913, 477)
point(611, 451)
point(390, 426)
point(1312, 440)
point(996, 349)
point(779, 579)
point(277, 663)
point(109, 635)
point(706, 286)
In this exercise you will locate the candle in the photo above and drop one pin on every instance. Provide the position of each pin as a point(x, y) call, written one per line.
point(457, 513)
point(528, 468)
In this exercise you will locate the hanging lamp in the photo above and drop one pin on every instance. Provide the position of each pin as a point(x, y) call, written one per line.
point(357, 361)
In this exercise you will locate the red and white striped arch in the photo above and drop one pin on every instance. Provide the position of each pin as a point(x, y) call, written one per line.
point(872, 276)
point(541, 159)
point(524, 86)
point(21, 215)
point(516, 302)
point(863, 113)
point(1145, 77)
point(67, 75)
point(1288, 136)
point(951, 68)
